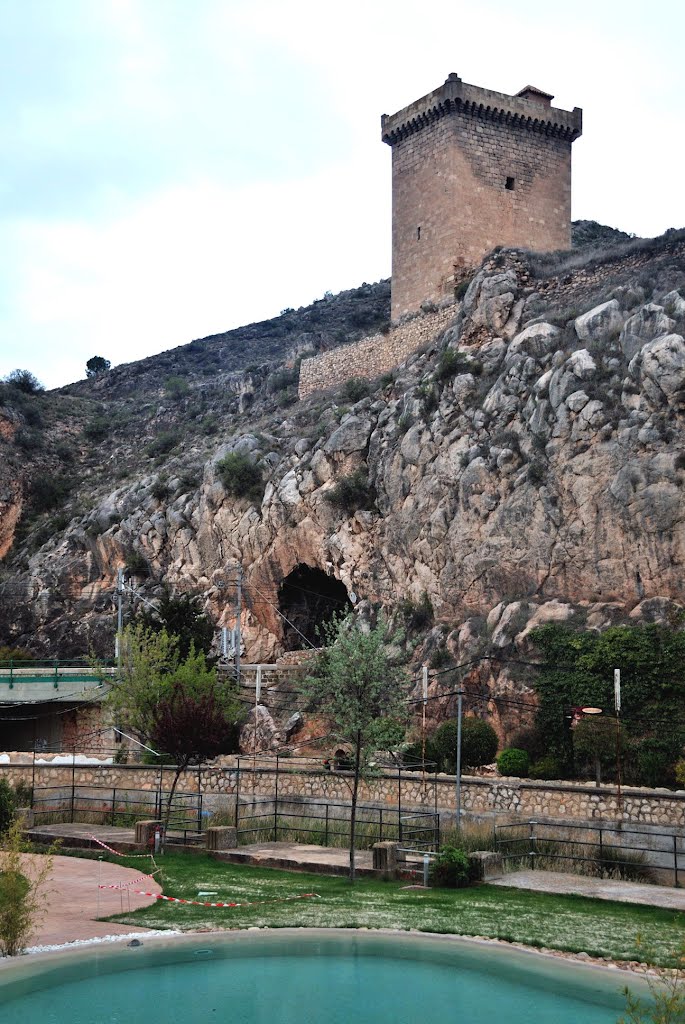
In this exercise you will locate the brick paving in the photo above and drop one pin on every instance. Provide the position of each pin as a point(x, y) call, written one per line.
point(73, 901)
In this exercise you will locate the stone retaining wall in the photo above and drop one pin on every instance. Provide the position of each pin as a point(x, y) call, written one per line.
point(371, 356)
point(505, 798)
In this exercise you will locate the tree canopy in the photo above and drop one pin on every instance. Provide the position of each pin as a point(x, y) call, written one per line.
point(97, 365)
point(173, 701)
point(578, 670)
point(180, 616)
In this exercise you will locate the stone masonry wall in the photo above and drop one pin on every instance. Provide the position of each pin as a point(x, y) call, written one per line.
point(506, 798)
point(371, 356)
point(463, 185)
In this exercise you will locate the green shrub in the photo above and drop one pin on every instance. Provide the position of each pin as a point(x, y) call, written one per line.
point(97, 429)
point(513, 762)
point(450, 869)
point(24, 381)
point(417, 616)
point(282, 379)
point(547, 767)
point(8, 805)
point(355, 389)
point(536, 471)
point(209, 425)
point(176, 387)
point(48, 492)
point(352, 492)
point(136, 563)
point(429, 399)
point(23, 794)
point(680, 771)
point(22, 901)
point(440, 657)
point(163, 443)
point(240, 477)
point(160, 489)
point(450, 364)
point(478, 744)
point(96, 366)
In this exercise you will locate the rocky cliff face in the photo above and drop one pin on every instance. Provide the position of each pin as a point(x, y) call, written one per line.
point(527, 467)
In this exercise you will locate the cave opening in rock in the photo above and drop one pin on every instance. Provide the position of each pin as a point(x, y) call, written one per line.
point(308, 599)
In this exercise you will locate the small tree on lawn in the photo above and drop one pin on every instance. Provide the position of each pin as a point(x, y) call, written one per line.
point(356, 687)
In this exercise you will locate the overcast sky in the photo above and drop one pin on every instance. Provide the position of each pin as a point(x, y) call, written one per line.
point(173, 168)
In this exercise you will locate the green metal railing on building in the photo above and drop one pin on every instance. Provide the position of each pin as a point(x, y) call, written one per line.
point(53, 670)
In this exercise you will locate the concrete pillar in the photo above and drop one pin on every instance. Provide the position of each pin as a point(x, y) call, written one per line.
point(25, 817)
point(385, 859)
point(145, 833)
point(222, 837)
point(485, 864)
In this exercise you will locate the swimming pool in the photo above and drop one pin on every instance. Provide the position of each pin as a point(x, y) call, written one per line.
point(297, 977)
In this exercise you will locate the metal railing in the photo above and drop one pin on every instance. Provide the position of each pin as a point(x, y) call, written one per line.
point(603, 850)
point(122, 806)
point(52, 670)
point(329, 823)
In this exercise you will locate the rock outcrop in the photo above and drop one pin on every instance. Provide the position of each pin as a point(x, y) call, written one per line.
point(536, 475)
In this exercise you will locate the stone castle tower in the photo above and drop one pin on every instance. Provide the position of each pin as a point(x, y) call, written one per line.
point(472, 169)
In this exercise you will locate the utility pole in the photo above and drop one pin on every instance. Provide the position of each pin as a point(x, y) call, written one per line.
point(617, 706)
point(238, 611)
point(460, 694)
point(120, 618)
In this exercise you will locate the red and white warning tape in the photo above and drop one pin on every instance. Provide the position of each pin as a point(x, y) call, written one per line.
point(133, 856)
point(253, 903)
point(126, 885)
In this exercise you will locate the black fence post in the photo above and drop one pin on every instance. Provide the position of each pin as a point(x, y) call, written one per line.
point(533, 850)
point(276, 804)
point(73, 782)
point(380, 824)
point(326, 836)
point(237, 792)
point(601, 851)
point(675, 861)
point(399, 802)
point(112, 816)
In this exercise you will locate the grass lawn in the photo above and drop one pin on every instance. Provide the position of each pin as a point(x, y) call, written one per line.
point(571, 923)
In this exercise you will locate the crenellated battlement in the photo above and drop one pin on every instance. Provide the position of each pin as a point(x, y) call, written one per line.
point(529, 109)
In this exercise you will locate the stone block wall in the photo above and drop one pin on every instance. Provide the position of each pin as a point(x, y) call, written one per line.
point(511, 799)
point(371, 356)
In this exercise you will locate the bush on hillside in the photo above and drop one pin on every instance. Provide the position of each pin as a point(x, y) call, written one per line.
point(240, 477)
point(353, 492)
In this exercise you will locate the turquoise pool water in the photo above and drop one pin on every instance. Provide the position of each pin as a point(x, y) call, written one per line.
point(298, 978)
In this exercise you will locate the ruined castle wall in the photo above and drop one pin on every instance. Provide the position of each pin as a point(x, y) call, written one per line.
point(370, 356)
